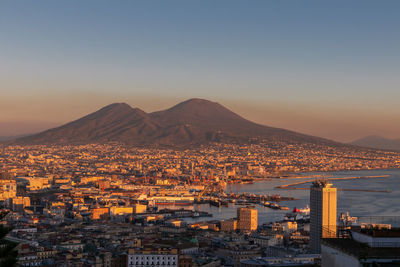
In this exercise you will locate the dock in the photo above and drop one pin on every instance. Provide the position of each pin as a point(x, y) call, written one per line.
point(292, 186)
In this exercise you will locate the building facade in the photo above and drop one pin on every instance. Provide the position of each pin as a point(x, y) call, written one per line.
point(323, 205)
point(8, 189)
point(228, 225)
point(247, 219)
point(160, 257)
point(364, 247)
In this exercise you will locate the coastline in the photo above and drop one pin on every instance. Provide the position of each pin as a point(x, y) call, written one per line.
point(314, 174)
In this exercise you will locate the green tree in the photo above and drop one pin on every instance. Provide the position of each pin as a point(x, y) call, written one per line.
point(8, 254)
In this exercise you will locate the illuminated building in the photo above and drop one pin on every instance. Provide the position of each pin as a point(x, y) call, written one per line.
point(323, 202)
point(247, 219)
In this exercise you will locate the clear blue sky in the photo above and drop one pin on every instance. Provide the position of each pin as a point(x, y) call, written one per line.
point(319, 67)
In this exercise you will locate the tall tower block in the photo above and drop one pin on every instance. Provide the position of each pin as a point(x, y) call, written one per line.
point(323, 205)
point(247, 219)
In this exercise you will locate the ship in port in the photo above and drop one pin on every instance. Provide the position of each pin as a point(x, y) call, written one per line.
point(305, 210)
point(161, 200)
point(215, 202)
point(299, 214)
point(219, 202)
point(274, 206)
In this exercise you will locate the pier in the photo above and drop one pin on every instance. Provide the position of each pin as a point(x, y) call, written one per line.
point(344, 189)
point(292, 186)
point(241, 199)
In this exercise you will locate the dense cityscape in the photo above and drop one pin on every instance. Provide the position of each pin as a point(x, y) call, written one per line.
point(206, 133)
point(112, 205)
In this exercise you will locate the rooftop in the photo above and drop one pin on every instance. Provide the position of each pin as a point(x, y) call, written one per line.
point(361, 250)
point(321, 184)
point(386, 233)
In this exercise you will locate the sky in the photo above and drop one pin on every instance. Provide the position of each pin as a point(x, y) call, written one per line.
point(326, 68)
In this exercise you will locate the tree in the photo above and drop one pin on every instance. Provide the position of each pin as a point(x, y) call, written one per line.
point(8, 254)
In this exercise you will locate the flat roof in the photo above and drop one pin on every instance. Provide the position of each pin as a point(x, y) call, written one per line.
point(387, 233)
point(361, 250)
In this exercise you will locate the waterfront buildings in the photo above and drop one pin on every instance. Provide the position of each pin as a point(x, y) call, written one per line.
point(247, 219)
point(323, 204)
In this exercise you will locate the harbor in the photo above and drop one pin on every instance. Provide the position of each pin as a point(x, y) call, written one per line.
point(349, 190)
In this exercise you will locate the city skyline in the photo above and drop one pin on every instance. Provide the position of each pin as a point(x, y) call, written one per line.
point(199, 133)
point(313, 67)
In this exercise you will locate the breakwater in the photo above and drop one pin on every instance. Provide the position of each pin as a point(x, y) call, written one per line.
point(293, 186)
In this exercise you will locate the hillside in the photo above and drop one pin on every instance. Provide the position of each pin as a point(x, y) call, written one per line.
point(195, 121)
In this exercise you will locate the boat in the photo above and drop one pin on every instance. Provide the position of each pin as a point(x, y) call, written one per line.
point(306, 210)
point(290, 217)
point(266, 204)
point(215, 202)
point(224, 203)
point(172, 200)
point(241, 202)
point(247, 181)
point(274, 206)
point(295, 210)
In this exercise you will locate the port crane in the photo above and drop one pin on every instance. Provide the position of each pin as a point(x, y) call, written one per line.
point(209, 189)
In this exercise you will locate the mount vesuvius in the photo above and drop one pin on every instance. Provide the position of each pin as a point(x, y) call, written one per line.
point(193, 122)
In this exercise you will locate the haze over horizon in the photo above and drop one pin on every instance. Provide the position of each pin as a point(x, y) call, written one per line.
point(315, 68)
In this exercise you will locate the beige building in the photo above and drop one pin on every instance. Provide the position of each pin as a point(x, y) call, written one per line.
point(323, 202)
point(99, 213)
point(247, 219)
point(289, 226)
point(8, 189)
point(115, 211)
point(139, 208)
point(37, 183)
point(228, 225)
point(19, 203)
point(162, 257)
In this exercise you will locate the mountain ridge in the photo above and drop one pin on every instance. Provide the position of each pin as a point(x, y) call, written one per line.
point(191, 122)
point(377, 142)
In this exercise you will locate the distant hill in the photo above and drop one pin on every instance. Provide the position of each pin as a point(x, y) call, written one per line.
point(195, 121)
point(378, 142)
point(8, 138)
